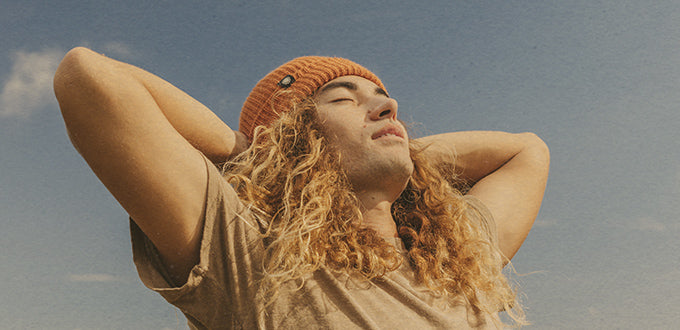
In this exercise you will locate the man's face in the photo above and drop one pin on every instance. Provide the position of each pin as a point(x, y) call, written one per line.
point(360, 121)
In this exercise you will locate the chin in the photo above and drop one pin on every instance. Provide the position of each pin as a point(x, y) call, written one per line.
point(400, 171)
point(392, 174)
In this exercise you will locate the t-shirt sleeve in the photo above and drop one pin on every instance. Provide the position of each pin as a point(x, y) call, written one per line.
point(229, 254)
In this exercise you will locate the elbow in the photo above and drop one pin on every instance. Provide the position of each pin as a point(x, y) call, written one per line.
point(538, 149)
point(76, 82)
point(75, 56)
point(78, 90)
point(69, 72)
point(534, 141)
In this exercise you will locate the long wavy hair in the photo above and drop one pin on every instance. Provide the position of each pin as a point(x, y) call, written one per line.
point(309, 217)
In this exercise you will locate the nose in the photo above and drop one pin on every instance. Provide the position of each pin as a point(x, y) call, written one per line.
point(385, 108)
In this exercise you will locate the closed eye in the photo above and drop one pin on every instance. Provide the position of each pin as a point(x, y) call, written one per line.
point(342, 100)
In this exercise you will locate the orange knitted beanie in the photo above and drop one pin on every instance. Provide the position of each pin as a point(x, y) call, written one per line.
point(300, 78)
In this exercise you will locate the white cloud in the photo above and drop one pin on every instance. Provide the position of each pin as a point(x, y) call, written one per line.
point(593, 311)
point(667, 277)
point(545, 222)
point(646, 224)
point(29, 86)
point(92, 278)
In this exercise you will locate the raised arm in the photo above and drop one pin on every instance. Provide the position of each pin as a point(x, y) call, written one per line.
point(142, 136)
point(508, 172)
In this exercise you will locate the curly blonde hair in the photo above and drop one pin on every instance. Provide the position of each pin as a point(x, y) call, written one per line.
point(310, 217)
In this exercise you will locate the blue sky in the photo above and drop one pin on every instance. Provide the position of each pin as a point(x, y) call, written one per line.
point(599, 81)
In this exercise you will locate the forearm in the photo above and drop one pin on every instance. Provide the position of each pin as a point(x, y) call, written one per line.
point(475, 154)
point(507, 172)
point(195, 122)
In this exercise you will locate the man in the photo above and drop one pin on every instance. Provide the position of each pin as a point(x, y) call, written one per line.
point(329, 217)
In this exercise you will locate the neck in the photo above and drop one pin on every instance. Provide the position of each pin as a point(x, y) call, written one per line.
point(376, 198)
point(376, 210)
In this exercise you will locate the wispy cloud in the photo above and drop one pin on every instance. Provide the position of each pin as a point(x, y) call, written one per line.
point(647, 224)
point(545, 222)
point(593, 311)
point(28, 88)
point(667, 277)
point(92, 278)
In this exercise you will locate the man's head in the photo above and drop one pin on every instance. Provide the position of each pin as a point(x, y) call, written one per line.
point(359, 119)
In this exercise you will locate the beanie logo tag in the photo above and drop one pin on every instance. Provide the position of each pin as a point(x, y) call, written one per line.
point(286, 81)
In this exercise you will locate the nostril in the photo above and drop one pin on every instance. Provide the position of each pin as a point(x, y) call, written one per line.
point(385, 113)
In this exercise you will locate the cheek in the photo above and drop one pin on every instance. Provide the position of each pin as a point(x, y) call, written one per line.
point(343, 128)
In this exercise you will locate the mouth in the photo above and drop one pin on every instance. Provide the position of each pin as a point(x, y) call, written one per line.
point(389, 130)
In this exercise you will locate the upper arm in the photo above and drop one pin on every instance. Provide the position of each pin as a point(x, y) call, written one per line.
point(153, 172)
point(514, 192)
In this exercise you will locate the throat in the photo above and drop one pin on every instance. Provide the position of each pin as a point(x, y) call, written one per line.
point(378, 216)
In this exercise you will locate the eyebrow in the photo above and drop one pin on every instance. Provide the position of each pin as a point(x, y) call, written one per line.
point(349, 85)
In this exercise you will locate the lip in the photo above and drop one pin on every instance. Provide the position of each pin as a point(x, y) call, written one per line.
point(389, 129)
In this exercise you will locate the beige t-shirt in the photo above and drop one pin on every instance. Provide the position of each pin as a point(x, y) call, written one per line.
point(221, 291)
